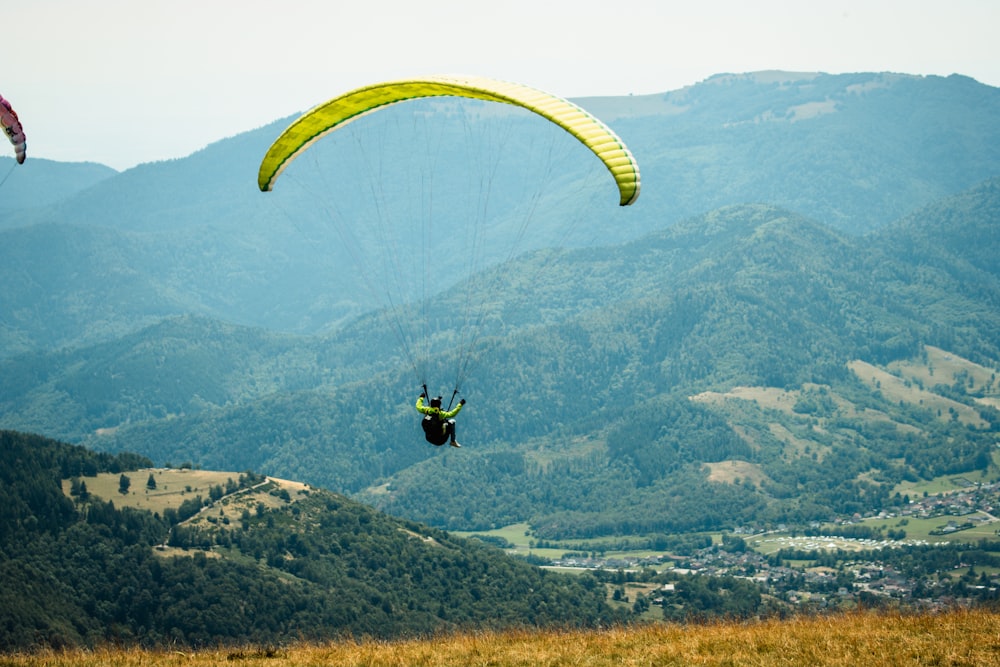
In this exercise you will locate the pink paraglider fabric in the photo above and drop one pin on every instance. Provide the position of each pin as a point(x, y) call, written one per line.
point(12, 126)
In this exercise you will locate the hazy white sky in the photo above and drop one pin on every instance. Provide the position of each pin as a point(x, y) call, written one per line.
point(128, 81)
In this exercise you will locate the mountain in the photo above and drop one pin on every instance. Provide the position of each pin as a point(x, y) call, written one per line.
point(792, 375)
point(181, 557)
point(949, 250)
point(820, 330)
point(746, 367)
point(39, 183)
point(857, 150)
point(193, 236)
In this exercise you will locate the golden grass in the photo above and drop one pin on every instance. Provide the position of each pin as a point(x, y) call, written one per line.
point(896, 389)
point(962, 637)
point(942, 367)
point(173, 487)
point(730, 470)
point(899, 381)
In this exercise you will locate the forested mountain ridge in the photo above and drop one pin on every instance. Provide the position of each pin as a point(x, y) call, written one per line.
point(945, 268)
point(892, 138)
point(616, 391)
point(251, 560)
point(743, 340)
point(40, 182)
point(194, 236)
point(806, 327)
point(798, 318)
point(215, 365)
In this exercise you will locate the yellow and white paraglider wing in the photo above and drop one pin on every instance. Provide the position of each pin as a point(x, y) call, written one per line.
point(335, 113)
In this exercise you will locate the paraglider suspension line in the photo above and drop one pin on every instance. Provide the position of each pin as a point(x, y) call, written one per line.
point(452, 400)
point(7, 175)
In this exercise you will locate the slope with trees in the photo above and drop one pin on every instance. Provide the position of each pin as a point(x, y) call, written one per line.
point(619, 387)
point(616, 400)
point(79, 571)
point(193, 236)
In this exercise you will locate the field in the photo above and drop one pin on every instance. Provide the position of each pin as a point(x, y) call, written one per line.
point(173, 486)
point(949, 483)
point(519, 536)
point(176, 485)
point(940, 367)
point(961, 637)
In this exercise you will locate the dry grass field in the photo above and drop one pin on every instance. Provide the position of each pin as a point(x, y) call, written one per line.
point(730, 471)
point(901, 381)
point(173, 486)
point(896, 389)
point(863, 638)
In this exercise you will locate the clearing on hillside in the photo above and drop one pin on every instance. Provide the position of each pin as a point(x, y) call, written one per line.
point(173, 486)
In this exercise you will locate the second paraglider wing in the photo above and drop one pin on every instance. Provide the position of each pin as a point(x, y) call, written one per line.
point(12, 127)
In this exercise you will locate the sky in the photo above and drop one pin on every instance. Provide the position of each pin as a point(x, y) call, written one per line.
point(123, 82)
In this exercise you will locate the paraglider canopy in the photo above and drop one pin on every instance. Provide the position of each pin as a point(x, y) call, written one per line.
point(12, 126)
point(335, 113)
point(440, 194)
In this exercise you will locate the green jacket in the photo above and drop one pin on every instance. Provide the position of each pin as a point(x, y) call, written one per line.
point(438, 412)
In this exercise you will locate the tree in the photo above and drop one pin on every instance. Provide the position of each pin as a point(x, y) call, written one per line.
point(123, 484)
point(151, 482)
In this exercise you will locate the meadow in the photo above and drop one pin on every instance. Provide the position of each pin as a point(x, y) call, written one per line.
point(958, 637)
point(173, 486)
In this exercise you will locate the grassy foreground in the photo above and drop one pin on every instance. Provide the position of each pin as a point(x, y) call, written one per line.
point(863, 638)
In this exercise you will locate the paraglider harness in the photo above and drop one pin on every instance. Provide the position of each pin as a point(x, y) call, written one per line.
point(438, 431)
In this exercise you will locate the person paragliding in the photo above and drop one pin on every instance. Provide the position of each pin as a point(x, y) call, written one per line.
point(438, 424)
point(340, 111)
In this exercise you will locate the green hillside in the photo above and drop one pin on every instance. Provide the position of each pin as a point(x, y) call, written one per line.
point(749, 339)
point(623, 381)
point(194, 236)
point(186, 558)
point(40, 182)
point(794, 333)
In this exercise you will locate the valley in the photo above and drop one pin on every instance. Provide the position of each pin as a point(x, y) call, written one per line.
point(767, 387)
